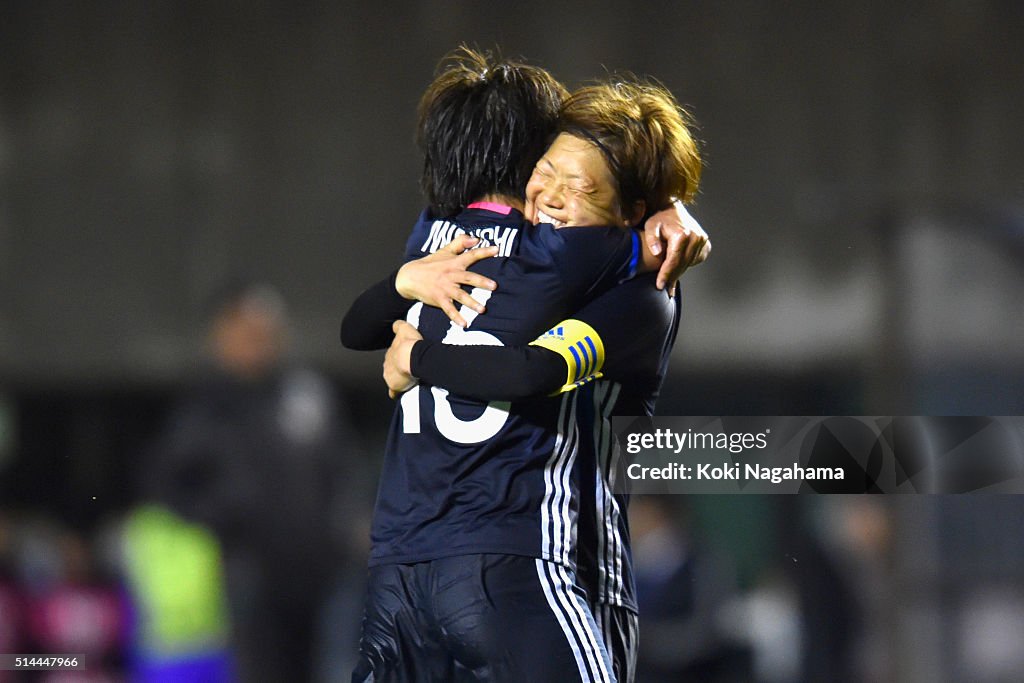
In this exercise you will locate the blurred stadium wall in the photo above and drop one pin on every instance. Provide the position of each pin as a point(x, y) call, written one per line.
point(148, 150)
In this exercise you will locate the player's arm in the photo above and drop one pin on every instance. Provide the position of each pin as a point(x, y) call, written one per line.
point(436, 280)
point(592, 260)
point(567, 356)
point(589, 263)
point(676, 237)
point(573, 352)
point(367, 324)
point(672, 241)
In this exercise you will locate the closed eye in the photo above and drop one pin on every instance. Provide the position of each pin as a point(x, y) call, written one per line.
point(542, 168)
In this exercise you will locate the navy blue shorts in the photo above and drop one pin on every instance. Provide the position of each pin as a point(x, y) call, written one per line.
point(479, 618)
point(619, 628)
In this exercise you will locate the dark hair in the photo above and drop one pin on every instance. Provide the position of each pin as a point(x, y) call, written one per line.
point(644, 136)
point(483, 124)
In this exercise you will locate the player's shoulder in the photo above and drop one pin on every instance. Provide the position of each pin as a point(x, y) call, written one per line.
point(426, 223)
point(640, 292)
point(579, 234)
point(578, 243)
point(632, 312)
point(539, 237)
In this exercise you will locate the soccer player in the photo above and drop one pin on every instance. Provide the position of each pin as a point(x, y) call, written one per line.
point(612, 135)
point(472, 539)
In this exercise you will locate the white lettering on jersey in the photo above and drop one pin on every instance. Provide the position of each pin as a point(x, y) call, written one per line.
point(443, 232)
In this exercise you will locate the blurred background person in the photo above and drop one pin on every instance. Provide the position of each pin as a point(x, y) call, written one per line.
point(684, 590)
point(258, 454)
point(72, 604)
point(173, 574)
point(843, 580)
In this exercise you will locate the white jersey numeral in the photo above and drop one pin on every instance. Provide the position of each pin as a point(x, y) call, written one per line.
point(494, 416)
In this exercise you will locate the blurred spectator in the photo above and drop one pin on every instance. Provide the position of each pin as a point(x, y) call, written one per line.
point(174, 575)
point(71, 607)
point(258, 453)
point(845, 582)
point(683, 590)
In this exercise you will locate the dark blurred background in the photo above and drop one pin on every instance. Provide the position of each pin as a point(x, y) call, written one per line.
point(864, 191)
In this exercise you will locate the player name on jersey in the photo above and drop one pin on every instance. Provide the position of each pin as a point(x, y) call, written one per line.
point(443, 232)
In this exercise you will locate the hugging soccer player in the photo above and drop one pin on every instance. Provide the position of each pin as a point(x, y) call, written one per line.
point(473, 565)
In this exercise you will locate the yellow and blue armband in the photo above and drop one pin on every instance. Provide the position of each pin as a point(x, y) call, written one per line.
point(581, 347)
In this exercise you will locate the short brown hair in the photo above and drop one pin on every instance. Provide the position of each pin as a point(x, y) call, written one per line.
point(644, 136)
point(483, 123)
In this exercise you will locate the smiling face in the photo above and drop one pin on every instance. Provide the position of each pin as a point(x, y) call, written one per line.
point(572, 185)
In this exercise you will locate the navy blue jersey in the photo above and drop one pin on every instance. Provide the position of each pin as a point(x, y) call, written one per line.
point(637, 324)
point(462, 476)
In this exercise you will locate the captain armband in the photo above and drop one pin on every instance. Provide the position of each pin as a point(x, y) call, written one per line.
point(579, 344)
